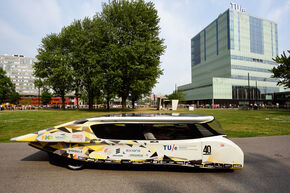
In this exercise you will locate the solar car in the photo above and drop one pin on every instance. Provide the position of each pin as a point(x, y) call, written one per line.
point(191, 140)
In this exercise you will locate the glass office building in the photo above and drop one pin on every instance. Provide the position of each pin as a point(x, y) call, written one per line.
point(19, 69)
point(231, 59)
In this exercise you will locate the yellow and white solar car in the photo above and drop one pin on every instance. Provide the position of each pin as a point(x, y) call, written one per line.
point(169, 139)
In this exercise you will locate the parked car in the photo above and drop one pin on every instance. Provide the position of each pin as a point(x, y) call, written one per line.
point(169, 139)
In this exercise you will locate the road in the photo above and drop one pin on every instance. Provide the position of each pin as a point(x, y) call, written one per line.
point(267, 169)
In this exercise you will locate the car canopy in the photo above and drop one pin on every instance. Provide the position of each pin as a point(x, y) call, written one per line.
point(153, 118)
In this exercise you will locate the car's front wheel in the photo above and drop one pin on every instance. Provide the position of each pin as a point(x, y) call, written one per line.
point(75, 165)
point(65, 162)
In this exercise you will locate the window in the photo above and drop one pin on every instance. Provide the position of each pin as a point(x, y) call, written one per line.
point(155, 131)
point(232, 30)
point(253, 60)
point(118, 131)
point(256, 35)
point(195, 50)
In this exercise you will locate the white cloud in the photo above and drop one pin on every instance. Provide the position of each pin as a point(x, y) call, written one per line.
point(177, 33)
point(278, 14)
point(40, 15)
point(11, 39)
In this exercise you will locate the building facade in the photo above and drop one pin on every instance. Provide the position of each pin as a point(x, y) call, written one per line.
point(19, 69)
point(231, 59)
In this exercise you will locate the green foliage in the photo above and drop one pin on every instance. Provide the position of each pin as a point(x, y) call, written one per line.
point(15, 98)
point(136, 46)
point(26, 101)
point(117, 52)
point(53, 66)
point(85, 47)
point(7, 89)
point(45, 97)
point(177, 95)
point(282, 72)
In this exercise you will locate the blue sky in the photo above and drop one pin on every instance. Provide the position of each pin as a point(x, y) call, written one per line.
point(23, 23)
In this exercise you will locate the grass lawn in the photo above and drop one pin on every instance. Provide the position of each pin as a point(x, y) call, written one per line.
point(236, 123)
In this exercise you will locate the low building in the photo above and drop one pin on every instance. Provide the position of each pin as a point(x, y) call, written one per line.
point(19, 69)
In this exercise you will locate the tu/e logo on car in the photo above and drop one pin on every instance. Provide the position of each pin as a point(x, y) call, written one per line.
point(170, 147)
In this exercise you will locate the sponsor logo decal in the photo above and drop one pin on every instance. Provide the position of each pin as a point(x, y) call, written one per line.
point(222, 145)
point(47, 137)
point(60, 137)
point(170, 147)
point(53, 137)
point(73, 151)
point(118, 151)
point(77, 136)
point(133, 150)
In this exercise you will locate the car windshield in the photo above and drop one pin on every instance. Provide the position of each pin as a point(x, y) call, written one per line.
point(157, 131)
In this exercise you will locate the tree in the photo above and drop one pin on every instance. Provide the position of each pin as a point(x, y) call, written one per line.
point(7, 89)
point(141, 88)
point(176, 95)
point(15, 98)
point(45, 97)
point(85, 44)
point(26, 101)
point(136, 44)
point(53, 67)
point(72, 34)
point(282, 71)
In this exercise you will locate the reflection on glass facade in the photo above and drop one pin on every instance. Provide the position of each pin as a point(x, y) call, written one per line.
point(247, 68)
point(245, 93)
point(195, 50)
point(252, 59)
point(256, 35)
point(204, 42)
point(276, 39)
point(272, 39)
point(239, 40)
point(251, 93)
point(254, 78)
point(232, 30)
point(217, 36)
point(228, 28)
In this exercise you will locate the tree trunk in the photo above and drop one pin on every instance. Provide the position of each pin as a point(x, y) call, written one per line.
point(133, 103)
point(124, 102)
point(77, 97)
point(91, 101)
point(78, 107)
point(62, 101)
point(108, 103)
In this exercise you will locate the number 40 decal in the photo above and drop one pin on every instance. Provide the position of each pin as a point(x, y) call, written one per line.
point(207, 150)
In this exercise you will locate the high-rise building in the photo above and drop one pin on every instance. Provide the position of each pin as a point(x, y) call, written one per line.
point(19, 69)
point(231, 59)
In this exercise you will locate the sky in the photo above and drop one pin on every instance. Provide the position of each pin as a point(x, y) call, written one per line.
point(23, 23)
